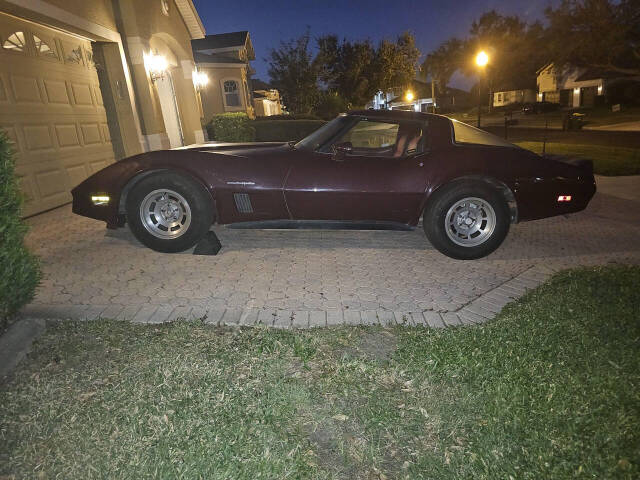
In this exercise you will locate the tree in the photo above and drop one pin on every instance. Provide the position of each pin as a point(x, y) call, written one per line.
point(443, 62)
point(514, 49)
point(346, 68)
point(595, 33)
point(295, 75)
point(395, 63)
point(356, 70)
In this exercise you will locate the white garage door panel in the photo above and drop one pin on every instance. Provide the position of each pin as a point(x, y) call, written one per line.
point(52, 109)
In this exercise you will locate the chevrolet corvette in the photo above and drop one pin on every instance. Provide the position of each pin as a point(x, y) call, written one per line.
point(369, 167)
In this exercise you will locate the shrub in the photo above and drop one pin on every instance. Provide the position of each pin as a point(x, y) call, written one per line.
point(330, 105)
point(20, 268)
point(231, 127)
point(284, 130)
point(292, 116)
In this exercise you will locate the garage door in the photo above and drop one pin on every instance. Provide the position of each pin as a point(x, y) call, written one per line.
point(51, 108)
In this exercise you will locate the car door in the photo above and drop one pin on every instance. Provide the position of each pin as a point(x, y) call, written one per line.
point(376, 174)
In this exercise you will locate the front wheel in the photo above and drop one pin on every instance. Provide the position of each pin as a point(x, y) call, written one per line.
point(467, 220)
point(169, 213)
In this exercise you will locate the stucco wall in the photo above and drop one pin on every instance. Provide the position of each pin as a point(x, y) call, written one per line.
point(212, 101)
point(96, 11)
point(148, 30)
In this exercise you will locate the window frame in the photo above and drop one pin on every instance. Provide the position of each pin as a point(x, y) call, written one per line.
point(224, 81)
point(325, 148)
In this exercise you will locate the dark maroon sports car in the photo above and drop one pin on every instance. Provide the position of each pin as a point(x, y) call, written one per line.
point(367, 167)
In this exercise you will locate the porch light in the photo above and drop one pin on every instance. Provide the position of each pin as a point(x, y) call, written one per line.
point(156, 65)
point(599, 89)
point(100, 199)
point(408, 96)
point(200, 79)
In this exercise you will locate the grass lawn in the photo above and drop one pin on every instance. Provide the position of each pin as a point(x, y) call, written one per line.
point(594, 117)
point(607, 160)
point(549, 389)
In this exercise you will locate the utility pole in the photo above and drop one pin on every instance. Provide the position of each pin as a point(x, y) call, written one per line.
point(479, 99)
point(433, 96)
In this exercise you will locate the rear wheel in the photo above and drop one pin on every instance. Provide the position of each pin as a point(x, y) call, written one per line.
point(168, 212)
point(466, 220)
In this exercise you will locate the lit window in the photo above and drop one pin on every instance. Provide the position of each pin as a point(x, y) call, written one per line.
point(15, 42)
point(231, 97)
point(43, 48)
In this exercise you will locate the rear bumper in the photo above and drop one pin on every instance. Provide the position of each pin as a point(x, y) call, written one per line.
point(538, 197)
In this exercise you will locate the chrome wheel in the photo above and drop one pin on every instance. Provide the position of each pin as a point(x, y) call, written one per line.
point(470, 222)
point(165, 214)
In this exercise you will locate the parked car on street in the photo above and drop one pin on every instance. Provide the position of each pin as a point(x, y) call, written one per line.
point(539, 107)
point(379, 167)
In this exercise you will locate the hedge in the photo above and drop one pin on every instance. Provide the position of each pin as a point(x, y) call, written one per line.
point(20, 268)
point(290, 116)
point(231, 127)
point(236, 127)
point(284, 130)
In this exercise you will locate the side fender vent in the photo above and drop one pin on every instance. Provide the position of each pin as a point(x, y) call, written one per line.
point(243, 202)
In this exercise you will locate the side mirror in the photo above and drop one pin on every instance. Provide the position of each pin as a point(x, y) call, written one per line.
point(341, 150)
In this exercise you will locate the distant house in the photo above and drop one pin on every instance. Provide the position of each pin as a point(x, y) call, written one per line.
point(575, 87)
point(225, 59)
point(513, 97)
point(396, 98)
point(267, 102)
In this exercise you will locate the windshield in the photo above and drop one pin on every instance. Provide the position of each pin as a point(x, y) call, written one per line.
point(464, 133)
point(323, 134)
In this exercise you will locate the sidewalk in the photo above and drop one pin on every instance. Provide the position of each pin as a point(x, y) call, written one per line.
point(617, 127)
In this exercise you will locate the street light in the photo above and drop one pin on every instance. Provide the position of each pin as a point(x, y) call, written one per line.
point(409, 96)
point(481, 61)
point(482, 58)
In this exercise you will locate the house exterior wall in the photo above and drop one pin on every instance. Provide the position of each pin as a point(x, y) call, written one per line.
point(562, 86)
point(509, 97)
point(547, 80)
point(119, 35)
point(265, 107)
point(213, 99)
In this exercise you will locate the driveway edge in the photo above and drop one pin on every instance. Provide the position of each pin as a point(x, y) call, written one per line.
point(483, 308)
point(16, 343)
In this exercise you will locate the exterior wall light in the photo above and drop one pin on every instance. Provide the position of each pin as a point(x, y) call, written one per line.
point(409, 96)
point(200, 79)
point(156, 65)
point(599, 89)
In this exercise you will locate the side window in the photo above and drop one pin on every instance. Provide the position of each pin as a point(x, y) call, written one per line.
point(231, 96)
point(372, 138)
point(385, 139)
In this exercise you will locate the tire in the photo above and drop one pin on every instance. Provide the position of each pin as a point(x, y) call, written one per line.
point(169, 212)
point(466, 220)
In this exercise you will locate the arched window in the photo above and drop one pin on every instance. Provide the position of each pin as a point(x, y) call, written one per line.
point(231, 97)
point(43, 48)
point(15, 42)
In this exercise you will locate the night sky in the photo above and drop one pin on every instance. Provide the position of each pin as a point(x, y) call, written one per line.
point(431, 22)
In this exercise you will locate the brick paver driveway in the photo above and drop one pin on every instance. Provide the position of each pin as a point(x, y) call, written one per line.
point(312, 277)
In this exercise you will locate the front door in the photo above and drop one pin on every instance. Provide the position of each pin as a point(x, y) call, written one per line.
point(169, 107)
point(376, 174)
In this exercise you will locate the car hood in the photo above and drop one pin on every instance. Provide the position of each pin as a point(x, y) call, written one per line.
point(235, 149)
